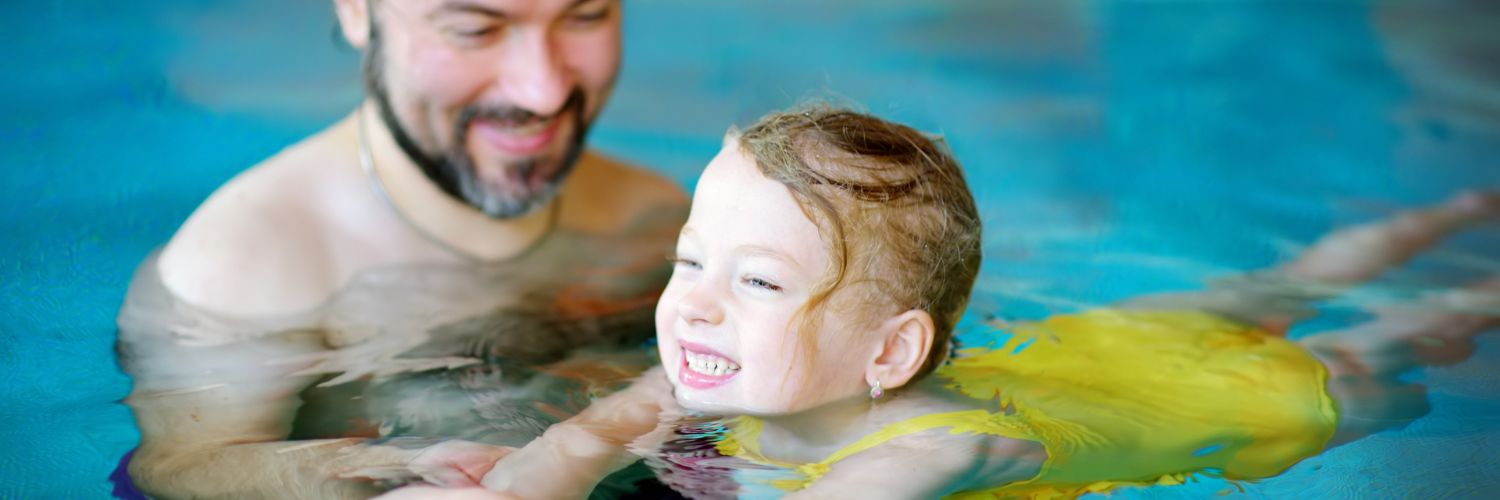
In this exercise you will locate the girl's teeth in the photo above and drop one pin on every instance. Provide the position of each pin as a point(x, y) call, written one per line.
point(710, 365)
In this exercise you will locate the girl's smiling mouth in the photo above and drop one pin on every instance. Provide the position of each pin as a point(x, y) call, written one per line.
point(704, 368)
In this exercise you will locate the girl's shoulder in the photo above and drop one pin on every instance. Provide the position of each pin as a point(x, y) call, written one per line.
point(961, 444)
point(930, 415)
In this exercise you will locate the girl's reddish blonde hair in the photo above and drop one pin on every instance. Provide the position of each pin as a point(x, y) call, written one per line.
point(895, 213)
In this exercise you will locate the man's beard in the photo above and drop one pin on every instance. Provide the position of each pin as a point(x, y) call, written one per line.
point(454, 170)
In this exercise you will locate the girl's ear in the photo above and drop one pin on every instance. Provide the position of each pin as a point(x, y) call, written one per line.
point(905, 345)
point(354, 21)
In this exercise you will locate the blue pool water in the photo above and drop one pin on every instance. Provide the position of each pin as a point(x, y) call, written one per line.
point(1116, 148)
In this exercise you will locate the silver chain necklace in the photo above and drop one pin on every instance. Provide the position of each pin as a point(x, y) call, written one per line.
point(367, 163)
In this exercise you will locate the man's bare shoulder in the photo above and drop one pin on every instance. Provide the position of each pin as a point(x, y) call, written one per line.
point(256, 246)
point(622, 197)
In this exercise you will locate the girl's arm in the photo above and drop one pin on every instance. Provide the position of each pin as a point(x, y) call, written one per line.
point(572, 457)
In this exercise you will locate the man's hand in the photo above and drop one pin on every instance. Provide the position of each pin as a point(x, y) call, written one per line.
point(457, 463)
point(449, 464)
point(436, 493)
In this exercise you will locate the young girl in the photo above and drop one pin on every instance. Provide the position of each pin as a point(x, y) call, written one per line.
point(818, 281)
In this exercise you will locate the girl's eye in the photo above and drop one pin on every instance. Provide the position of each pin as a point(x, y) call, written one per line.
point(688, 263)
point(760, 283)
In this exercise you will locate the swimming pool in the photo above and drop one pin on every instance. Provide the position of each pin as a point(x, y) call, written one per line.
point(1116, 148)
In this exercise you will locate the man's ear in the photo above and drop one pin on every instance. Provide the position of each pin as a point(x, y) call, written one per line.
point(905, 344)
point(354, 21)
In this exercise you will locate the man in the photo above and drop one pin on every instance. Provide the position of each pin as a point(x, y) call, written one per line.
point(429, 230)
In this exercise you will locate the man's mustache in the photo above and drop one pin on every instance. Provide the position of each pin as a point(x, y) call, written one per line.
point(515, 116)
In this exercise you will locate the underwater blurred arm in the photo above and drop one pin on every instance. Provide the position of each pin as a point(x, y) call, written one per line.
point(572, 457)
point(225, 435)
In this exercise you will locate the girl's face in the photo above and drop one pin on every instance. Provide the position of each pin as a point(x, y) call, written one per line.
point(727, 325)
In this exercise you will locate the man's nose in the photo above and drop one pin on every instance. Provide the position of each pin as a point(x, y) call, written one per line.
point(534, 75)
point(701, 305)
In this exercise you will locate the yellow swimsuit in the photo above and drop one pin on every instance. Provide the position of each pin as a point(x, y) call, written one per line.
point(1123, 398)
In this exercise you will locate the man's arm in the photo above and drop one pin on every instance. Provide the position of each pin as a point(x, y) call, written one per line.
point(215, 401)
point(214, 419)
point(199, 337)
point(235, 451)
point(213, 404)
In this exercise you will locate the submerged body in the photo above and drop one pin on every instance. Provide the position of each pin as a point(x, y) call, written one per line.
point(250, 405)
